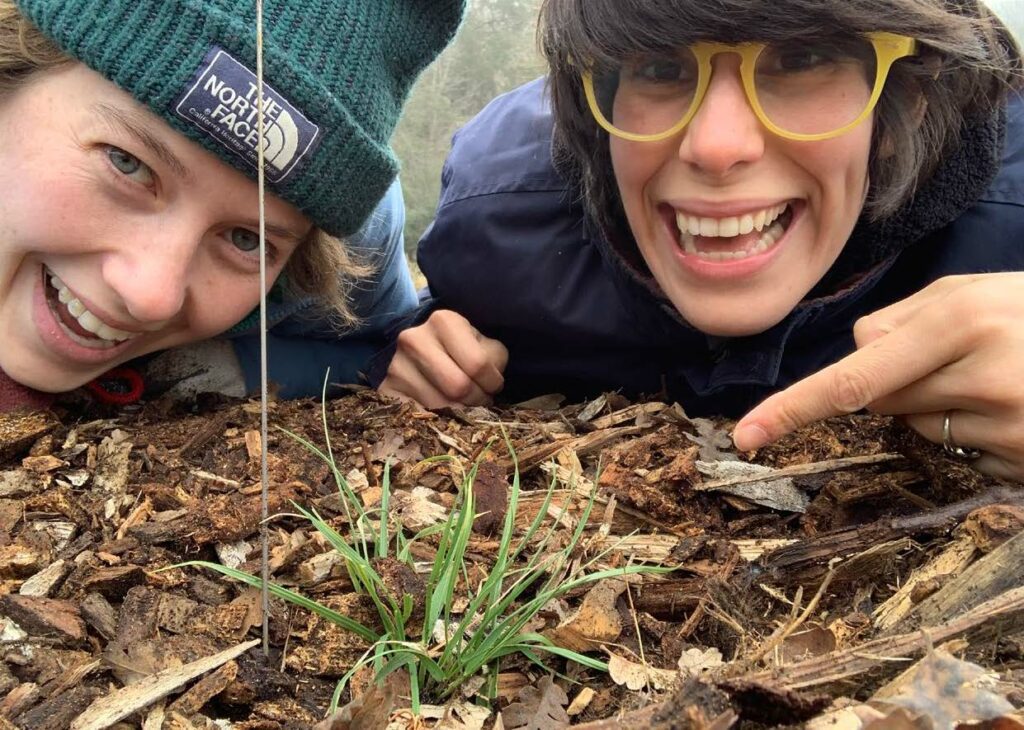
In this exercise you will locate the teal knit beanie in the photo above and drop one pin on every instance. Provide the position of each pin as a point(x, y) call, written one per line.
point(336, 73)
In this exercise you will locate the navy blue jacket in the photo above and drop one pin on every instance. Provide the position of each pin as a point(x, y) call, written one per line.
point(511, 249)
point(302, 343)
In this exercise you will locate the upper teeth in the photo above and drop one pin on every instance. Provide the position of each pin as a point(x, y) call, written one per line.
point(89, 321)
point(729, 227)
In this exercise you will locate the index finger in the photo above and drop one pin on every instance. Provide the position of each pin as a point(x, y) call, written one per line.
point(881, 367)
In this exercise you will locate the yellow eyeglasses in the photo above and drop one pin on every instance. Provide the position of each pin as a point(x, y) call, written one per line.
point(804, 90)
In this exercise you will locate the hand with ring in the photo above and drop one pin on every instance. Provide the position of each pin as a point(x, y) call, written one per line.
point(950, 446)
point(949, 360)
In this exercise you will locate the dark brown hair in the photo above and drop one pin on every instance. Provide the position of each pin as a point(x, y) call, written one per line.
point(968, 62)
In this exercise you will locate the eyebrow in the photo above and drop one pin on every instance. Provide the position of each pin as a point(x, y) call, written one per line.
point(278, 231)
point(135, 126)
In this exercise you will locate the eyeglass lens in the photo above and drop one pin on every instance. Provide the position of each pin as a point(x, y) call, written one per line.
point(803, 87)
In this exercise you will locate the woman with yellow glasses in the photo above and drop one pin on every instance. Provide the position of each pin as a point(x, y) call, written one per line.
point(778, 210)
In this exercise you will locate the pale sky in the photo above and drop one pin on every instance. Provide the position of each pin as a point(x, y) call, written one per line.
point(1012, 13)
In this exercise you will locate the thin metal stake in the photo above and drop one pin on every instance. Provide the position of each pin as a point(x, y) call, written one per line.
point(264, 477)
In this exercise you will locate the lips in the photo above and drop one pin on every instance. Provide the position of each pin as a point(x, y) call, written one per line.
point(78, 323)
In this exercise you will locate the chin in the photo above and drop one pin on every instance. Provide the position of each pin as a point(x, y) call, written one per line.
point(740, 325)
point(41, 378)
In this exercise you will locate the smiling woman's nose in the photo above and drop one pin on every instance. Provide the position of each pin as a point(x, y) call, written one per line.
point(151, 277)
point(725, 133)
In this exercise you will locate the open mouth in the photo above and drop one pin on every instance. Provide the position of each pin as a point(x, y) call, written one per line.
point(77, 322)
point(734, 238)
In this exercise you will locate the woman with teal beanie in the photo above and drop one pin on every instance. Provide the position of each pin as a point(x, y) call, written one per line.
point(128, 141)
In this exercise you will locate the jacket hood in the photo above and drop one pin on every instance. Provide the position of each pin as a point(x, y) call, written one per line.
point(962, 176)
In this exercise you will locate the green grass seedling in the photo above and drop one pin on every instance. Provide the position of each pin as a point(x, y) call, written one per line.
point(450, 648)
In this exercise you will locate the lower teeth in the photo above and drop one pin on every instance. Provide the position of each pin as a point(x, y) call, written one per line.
point(767, 239)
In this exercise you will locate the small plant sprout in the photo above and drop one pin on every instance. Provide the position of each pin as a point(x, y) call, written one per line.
point(444, 647)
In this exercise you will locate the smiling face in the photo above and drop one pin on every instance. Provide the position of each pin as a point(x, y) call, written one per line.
point(118, 236)
point(736, 224)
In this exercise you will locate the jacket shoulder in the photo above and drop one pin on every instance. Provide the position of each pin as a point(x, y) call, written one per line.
point(506, 147)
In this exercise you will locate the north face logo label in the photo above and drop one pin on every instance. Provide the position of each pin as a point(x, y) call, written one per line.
point(221, 100)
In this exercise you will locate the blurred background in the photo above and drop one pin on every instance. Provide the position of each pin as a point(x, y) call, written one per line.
point(496, 51)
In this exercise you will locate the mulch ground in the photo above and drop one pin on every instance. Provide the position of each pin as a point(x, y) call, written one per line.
point(808, 576)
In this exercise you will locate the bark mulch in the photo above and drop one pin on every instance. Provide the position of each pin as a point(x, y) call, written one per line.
point(809, 576)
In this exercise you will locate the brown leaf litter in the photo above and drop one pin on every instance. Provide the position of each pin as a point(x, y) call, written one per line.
point(811, 580)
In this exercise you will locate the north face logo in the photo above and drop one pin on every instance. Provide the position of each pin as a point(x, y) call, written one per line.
point(221, 100)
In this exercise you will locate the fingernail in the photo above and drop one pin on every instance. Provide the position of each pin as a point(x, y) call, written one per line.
point(750, 437)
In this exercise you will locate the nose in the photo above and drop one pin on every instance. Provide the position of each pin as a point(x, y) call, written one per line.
point(150, 267)
point(725, 134)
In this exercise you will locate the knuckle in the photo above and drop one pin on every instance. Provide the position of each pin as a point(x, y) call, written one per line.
point(457, 386)
point(477, 364)
point(863, 329)
point(850, 390)
point(407, 338)
point(445, 318)
point(972, 304)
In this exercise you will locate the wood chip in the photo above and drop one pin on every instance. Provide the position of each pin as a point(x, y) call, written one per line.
point(45, 617)
point(118, 705)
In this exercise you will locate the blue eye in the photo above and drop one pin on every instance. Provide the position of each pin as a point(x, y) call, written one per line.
point(245, 240)
point(129, 165)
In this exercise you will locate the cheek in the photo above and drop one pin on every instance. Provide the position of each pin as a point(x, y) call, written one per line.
point(220, 303)
point(222, 298)
point(841, 168)
point(50, 215)
point(636, 165)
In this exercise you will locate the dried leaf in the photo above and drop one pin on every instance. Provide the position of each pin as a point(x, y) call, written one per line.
point(391, 446)
point(899, 718)
point(812, 642)
point(596, 622)
point(637, 676)
point(694, 661)
point(417, 510)
point(949, 691)
point(779, 494)
point(715, 443)
point(463, 716)
point(370, 710)
point(539, 708)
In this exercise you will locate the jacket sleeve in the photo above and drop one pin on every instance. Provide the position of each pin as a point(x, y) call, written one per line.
point(302, 346)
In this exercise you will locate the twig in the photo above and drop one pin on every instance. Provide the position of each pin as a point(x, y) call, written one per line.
point(799, 470)
point(840, 665)
point(794, 625)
